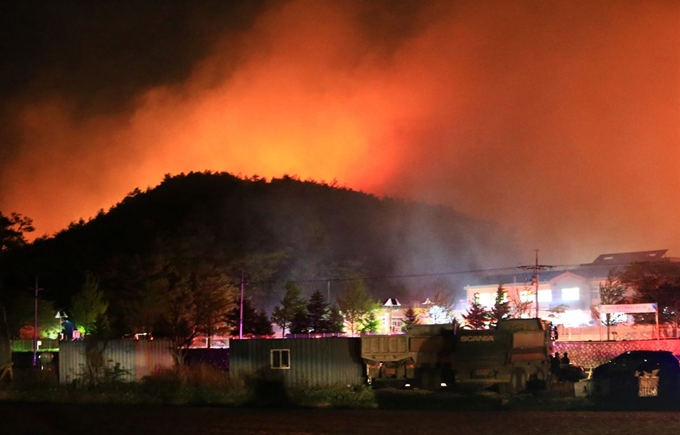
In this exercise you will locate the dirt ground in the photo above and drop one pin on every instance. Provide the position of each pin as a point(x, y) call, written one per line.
point(48, 419)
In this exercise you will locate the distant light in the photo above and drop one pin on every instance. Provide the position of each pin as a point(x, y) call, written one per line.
point(407, 385)
point(443, 384)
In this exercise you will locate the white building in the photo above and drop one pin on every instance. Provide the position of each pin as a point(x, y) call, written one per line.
point(565, 296)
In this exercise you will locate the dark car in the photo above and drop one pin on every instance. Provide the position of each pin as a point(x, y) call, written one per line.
point(621, 374)
point(572, 373)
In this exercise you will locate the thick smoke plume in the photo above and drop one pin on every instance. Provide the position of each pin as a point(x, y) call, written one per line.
point(558, 120)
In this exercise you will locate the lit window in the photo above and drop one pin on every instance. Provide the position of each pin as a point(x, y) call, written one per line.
point(571, 294)
point(545, 295)
point(280, 358)
point(526, 296)
point(487, 299)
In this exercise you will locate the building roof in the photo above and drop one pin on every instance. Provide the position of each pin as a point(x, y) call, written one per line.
point(391, 302)
point(599, 268)
point(625, 258)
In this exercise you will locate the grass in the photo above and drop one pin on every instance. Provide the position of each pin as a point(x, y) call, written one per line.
point(207, 386)
point(197, 386)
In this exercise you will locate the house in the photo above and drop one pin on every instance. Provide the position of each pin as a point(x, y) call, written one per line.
point(391, 316)
point(565, 296)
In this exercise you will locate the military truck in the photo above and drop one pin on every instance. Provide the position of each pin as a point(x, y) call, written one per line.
point(419, 358)
point(515, 352)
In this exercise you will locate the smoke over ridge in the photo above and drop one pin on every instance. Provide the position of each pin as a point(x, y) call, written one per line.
point(557, 120)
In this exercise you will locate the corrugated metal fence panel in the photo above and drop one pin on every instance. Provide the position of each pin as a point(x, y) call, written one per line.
point(313, 361)
point(127, 360)
point(5, 351)
point(71, 361)
point(119, 355)
point(152, 356)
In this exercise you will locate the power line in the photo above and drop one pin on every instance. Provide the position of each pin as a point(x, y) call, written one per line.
point(536, 268)
point(391, 277)
point(434, 274)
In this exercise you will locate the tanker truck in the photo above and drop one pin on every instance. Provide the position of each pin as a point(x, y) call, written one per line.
point(515, 352)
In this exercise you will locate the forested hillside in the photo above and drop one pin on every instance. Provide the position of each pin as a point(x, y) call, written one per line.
point(213, 229)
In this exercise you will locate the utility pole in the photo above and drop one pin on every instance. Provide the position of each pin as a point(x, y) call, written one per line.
point(35, 324)
point(240, 311)
point(536, 268)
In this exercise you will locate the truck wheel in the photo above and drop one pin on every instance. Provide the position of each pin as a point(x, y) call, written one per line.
point(431, 379)
point(538, 381)
point(517, 384)
point(520, 381)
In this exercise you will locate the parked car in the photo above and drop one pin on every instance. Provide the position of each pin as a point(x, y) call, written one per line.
point(572, 373)
point(620, 375)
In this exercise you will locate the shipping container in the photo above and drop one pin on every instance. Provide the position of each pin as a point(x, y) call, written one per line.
point(299, 362)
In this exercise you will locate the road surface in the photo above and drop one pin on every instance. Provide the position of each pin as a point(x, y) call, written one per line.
point(48, 419)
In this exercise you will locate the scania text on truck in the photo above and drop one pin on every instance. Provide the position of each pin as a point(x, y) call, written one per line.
point(515, 352)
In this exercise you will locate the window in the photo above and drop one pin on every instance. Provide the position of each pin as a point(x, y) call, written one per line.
point(571, 294)
point(526, 296)
point(545, 295)
point(280, 358)
point(487, 299)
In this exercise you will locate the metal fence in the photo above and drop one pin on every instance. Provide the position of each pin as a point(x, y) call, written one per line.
point(123, 360)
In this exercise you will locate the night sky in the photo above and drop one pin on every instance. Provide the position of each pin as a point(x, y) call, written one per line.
point(560, 120)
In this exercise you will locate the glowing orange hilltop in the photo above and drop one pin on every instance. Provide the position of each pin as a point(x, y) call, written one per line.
point(561, 123)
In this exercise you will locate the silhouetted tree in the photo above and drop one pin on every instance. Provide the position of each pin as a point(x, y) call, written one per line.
point(255, 322)
point(355, 304)
point(370, 323)
point(443, 302)
point(655, 282)
point(178, 322)
point(519, 306)
point(19, 314)
point(292, 306)
point(88, 309)
point(300, 323)
point(477, 315)
point(318, 313)
point(13, 229)
point(410, 319)
point(611, 293)
point(213, 299)
point(336, 322)
point(501, 308)
point(12, 236)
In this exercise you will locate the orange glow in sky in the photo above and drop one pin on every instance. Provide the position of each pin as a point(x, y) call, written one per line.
point(561, 121)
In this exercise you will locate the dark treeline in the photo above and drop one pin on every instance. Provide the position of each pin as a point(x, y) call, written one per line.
point(207, 231)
